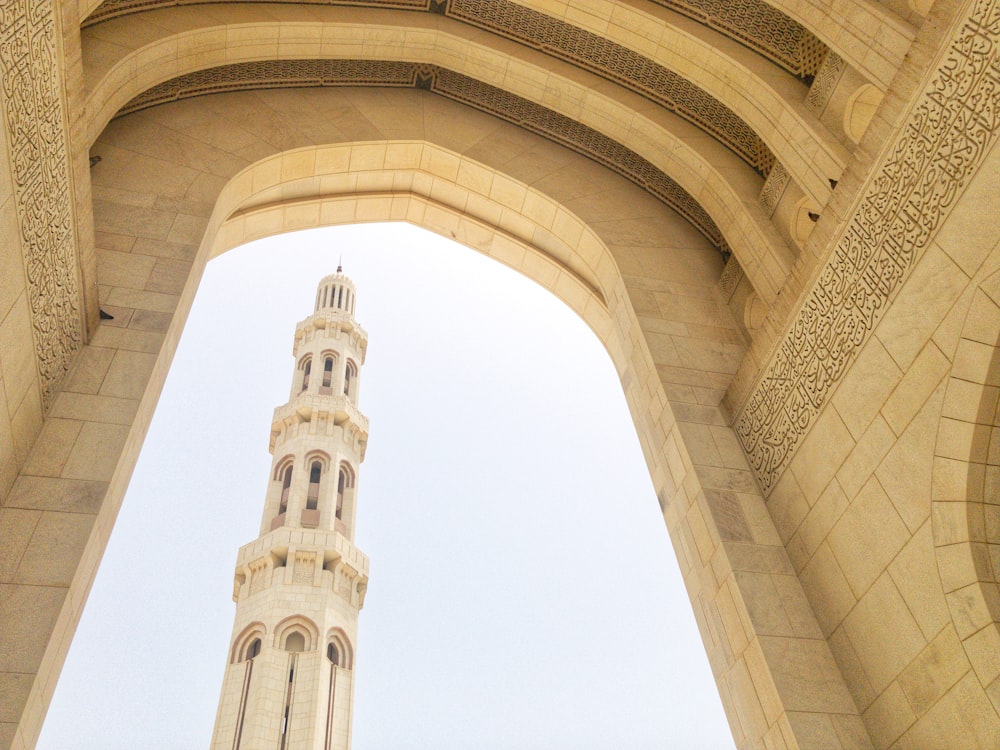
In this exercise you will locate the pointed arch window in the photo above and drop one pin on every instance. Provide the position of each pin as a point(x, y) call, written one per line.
point(327, 374)
point(286, 488)
point(315, 474)
point(306, 371)
point(295, 642)
point(345, 480)
point(253, 649)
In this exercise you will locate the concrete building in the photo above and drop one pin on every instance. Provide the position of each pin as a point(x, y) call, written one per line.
point(779, 216)
point(289, 680)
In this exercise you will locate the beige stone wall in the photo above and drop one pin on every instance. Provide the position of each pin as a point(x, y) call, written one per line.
point(855, 606)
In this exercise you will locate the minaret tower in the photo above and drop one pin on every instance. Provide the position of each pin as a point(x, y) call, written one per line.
point(299, 586)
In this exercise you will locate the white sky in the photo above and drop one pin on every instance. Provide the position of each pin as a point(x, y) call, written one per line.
point(523, 592)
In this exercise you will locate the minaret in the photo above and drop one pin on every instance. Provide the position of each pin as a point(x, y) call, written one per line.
point(299, 586)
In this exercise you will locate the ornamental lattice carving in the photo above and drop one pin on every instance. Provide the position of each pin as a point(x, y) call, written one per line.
point(826, 81)
point(113, 8)
point(731, 276)
point(942, 144)
point(40, 171)
point(503, 104)
point(619, 64)
point(264, 74)
point(760, 26)
point(775, 184)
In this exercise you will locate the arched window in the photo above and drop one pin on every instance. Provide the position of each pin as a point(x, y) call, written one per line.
point(349, 374)
point(286, 486)
point(295, 642)
point(327, 373)
point(315, 474)
point(338, 649)
point(253, 649)
point(306, 370)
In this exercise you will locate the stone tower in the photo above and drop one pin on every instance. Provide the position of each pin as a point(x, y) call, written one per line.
point(299, 586)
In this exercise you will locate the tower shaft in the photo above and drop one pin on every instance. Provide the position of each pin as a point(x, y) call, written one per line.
point(299, 586)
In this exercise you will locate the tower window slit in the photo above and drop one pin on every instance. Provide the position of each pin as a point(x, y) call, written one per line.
point(327, 374)
point(306, 371)
point(341, 484)
point(312, 498)
point(286, 486)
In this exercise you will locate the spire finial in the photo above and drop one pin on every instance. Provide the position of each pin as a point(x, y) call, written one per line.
point(340, 264)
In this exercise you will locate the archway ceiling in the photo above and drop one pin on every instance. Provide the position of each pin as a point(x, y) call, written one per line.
point(126, 57)
point(792, 33)
point(735, 96)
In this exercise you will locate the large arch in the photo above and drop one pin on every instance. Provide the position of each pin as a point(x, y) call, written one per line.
point(572, 236)
point(131, 229)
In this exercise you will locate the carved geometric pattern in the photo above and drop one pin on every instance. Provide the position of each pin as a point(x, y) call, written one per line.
point(775, 184)
point(40, 170)
point(826, 81)
point(621, 65)
point(264, 74)
point(113, 8)
point(598, 55)
point(952, 127)
point(510, 107)
point(761, 27)
point(731, 276)
point(754, 23)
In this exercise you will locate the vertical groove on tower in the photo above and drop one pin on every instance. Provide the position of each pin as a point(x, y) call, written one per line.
point(300, 585)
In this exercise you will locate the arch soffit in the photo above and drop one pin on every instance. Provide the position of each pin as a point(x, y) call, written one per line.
point(574, 264)
point(719, 181)
point(965, 503)
point(775, 113)
point(822, 18)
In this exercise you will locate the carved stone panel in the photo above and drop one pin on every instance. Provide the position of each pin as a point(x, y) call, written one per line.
point(33, 114)
point(938, 149)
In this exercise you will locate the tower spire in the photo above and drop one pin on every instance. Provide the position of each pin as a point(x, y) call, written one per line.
point(300, 585)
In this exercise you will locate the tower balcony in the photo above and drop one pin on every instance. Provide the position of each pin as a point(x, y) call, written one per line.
point(306, 406)
point(328, 320)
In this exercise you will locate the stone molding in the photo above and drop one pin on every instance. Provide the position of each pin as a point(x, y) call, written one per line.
point(604, 58)
point(503, 104)
point(945, 138)
point(753, 23)
point(761, 27)
point(37, 152)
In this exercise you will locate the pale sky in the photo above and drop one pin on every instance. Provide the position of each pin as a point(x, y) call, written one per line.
point(523, 592)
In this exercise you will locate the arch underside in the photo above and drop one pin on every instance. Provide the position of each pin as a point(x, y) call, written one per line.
point(608, 154)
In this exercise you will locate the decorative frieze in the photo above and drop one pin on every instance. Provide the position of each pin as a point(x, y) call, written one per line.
point(620, 64)
point(774, 186)
point(760, 26)
point(826, 81)
point(754, 23)
point(37, 153)
point(731, 276)
point(503, 104)
point(938, 149)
